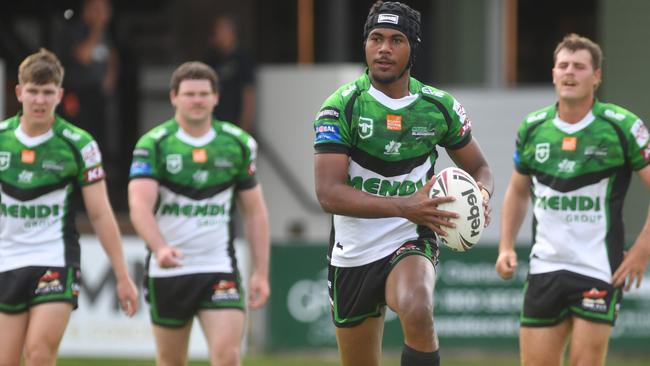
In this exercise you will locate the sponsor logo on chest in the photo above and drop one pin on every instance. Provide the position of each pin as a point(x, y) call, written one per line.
point(569, 143)
point(393, 122)
point(596, 151)
point(53, 165)
point(199, 155)
point(419, 131)
point(28, 156)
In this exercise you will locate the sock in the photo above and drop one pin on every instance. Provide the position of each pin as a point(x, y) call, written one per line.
point(411, 357)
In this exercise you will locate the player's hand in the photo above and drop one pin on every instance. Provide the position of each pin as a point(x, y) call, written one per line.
point(422, 210)
point(258, 291)
point(487, 209)
point(168, 257)
point(632, 268)
point(127, 293)
point(506, 264)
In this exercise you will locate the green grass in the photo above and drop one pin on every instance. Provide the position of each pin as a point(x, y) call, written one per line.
point(328, 359)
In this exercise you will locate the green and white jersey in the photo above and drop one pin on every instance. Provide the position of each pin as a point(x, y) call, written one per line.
point(40, 178)
point(199, 179)
point(580, 173)
point(391, 145)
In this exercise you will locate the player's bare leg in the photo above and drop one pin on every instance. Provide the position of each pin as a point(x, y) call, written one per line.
point(544, 346)
point(361, 345)
point(47, 323)
point(409, 293)
point(172, 345)
point(12, 338)
point(589, 342)
point(224, 346)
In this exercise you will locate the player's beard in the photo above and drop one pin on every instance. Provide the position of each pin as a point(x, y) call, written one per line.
point(390, 79)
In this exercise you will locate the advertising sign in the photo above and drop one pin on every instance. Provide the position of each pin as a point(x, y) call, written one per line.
point(473, 305)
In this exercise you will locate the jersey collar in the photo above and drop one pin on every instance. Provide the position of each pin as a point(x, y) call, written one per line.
point(389, 102)
point(196, 141)
point(571, 128)
point(31, 141)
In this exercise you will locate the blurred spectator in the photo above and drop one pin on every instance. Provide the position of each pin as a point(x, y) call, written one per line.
point(91, 64)
point(236, 71)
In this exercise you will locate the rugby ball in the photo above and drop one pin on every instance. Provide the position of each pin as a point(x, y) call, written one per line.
point(458, 183)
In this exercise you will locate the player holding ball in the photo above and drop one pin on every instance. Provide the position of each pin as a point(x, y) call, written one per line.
point(375, 144)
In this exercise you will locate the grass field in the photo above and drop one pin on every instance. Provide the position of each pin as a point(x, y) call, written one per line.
point(331, 360)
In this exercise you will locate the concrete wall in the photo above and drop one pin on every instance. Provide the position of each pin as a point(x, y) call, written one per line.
point(625, 34)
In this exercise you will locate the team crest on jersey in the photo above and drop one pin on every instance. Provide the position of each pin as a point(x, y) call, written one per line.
point(542, 152)
point(365, 127)
point(640, 133)
point(5, 159)
point(174, 163)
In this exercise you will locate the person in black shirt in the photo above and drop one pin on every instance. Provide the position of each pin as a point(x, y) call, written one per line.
point(236, 72)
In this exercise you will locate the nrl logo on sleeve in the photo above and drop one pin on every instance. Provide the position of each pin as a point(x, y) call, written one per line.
point(640, 133)
point(542, 152)
point(174, 163)
point(365, 127)
point(5, 159)
point(91, 154)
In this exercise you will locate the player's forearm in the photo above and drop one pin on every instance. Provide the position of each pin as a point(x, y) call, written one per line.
point(341, 199)
point(643, 240)
point(515, 205)
point(257, 233)
point(484, 175)
point(109, 236)
point(145, 224)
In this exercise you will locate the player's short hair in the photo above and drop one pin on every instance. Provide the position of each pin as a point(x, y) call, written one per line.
point(194, 70)
point(397, 16)
point(40, 68)
point(574, 42)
